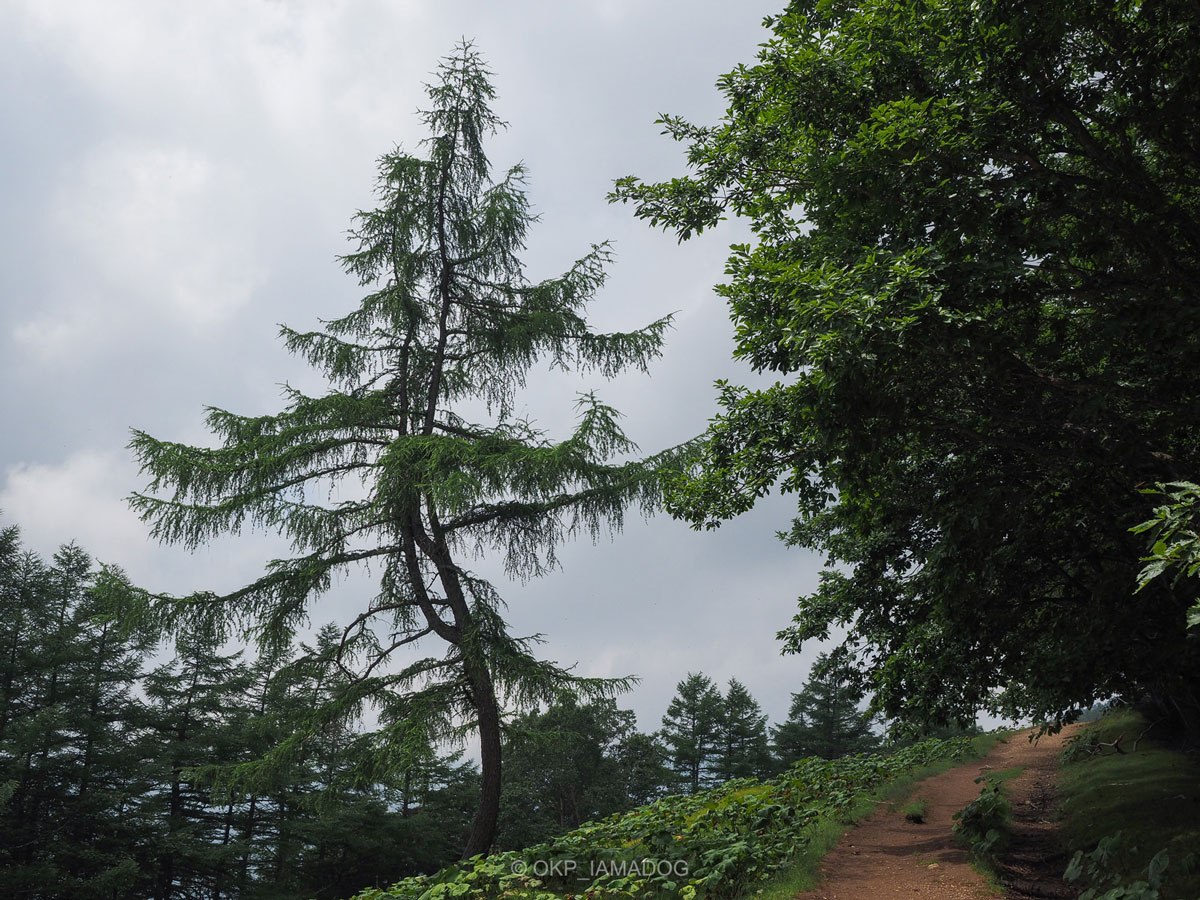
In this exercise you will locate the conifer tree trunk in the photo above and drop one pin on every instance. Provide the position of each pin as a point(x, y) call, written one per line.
point(483, 827)
point(85, 775)
point(248, 838)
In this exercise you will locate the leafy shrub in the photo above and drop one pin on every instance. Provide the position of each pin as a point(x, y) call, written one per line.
point(983, 823)
point(1102, 868)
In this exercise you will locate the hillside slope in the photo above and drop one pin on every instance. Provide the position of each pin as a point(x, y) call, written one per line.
point(716, 844)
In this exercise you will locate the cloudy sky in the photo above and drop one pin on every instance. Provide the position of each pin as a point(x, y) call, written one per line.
point(178, 179)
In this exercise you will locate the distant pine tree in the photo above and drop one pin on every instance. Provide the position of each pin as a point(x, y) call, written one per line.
point(692, 732)
point(742, 748)
point(195, 709)
point(826, 718)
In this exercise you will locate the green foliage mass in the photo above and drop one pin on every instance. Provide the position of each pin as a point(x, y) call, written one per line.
point(573, 763)
point(974, 270)
point(716, 844)
point(1174, 541)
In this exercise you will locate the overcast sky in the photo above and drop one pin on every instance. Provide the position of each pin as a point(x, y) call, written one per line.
point(178, 179)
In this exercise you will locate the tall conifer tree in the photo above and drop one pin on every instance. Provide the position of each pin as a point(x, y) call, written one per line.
point(71, 777)
point(826, 718)
point(742, 743)
point(193, 718)
point(692, 731)
point(449, 323)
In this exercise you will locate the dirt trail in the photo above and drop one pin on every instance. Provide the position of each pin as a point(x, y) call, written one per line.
point(884, 856)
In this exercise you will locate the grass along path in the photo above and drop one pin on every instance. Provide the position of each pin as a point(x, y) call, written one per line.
point(886, 855)
point(1133, 809)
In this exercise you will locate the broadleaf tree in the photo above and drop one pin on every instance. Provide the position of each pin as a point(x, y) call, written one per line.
point(448, 330)
point(975, 258)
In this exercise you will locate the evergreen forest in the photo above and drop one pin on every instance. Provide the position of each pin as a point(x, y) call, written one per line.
point(118, 756)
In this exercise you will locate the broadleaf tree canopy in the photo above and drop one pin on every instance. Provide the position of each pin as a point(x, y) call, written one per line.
point(449, 324)
point(974, 268)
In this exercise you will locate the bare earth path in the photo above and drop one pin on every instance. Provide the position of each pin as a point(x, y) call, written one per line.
point(885, 856)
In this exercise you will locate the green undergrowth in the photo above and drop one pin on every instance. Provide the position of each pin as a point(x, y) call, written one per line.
point(745, 838)
point(984, 826)
point(1132, 818)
